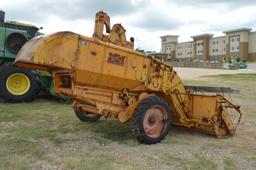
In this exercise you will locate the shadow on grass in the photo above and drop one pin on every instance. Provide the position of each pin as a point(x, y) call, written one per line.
point(112, 130)
point(49, 98)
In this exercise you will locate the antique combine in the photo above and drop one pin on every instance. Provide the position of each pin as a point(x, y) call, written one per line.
point(106, 77)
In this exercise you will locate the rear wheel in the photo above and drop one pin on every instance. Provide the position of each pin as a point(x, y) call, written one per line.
point(152, 119)
point(18, 84)
point(86, 116)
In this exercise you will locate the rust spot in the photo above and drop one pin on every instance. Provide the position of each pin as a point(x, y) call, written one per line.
point(93, 53)
point(116, 59)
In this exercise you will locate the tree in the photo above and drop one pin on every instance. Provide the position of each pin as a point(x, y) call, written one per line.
point(238, 59)
point(140, 50)
point(229, 60)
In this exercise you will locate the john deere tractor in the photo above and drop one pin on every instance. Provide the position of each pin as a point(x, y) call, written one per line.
point(18, 84)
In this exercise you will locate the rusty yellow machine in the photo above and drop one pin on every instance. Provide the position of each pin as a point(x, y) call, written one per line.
point(106, 77)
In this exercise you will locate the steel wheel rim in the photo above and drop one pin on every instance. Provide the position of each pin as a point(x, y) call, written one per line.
point(155, 121)
point(18, 84)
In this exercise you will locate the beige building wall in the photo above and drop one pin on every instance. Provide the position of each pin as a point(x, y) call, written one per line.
point(184, 50)
point(168, 43)
point(217, 48)
point(252, 46)
point(252, 42)
point(181, 50)
point(244, 36)
point(238, 43)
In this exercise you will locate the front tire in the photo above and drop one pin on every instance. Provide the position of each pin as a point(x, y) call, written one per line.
point(152, 120)
point(86, 116)
point(18, 84)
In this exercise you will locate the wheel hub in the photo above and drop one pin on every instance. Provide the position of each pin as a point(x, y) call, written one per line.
point(155, 121)
point(18, 84)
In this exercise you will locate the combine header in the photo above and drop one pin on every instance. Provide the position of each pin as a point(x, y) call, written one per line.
point(106, 77)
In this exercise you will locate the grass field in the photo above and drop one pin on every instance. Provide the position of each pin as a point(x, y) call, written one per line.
point(46, 134)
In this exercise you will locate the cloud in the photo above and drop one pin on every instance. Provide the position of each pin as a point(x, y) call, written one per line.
point(68, 10)
point(230, 3)
point(155, 21)
point(157, 16)
point(146, 20)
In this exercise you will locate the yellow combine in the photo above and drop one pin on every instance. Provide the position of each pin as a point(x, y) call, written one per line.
point(106, 77)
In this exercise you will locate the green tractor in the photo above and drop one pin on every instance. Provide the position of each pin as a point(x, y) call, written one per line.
point(18, 84)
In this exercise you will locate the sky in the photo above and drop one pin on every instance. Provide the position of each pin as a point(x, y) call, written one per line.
point(145, 20)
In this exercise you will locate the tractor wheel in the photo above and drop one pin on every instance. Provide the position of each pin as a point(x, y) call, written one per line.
point(152, 120)
point(18, 84)
point(87, 116)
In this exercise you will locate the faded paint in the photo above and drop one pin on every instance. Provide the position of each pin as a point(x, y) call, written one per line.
point(114, 80)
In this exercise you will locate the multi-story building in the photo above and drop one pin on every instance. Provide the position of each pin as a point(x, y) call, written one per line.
point(237, 43)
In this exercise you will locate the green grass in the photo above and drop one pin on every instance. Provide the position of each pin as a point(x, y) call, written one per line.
point(46, 134)
point(200, 163)
point(250, 62)
point(229, 164)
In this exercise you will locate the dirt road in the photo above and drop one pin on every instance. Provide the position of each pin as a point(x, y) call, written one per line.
point(196, 73)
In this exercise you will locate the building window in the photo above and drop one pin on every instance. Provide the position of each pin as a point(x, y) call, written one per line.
point(224, 49)
point(213, 42)
point(167, 49)
point(164, 40)
point(224, 41)
point(213, 50)
point(234, 44)
point(217, 50)
point(199, 47)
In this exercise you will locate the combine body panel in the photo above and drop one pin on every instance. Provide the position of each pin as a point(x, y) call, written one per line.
point(112, 80)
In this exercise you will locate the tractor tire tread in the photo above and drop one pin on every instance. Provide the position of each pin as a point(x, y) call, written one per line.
point(137, 121)
point(6, 70)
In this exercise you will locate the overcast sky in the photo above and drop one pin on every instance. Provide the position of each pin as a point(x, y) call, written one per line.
point(145, 20)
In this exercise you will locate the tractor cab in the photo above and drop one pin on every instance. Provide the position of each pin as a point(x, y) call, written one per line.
point(13, 35)
point(32, 30)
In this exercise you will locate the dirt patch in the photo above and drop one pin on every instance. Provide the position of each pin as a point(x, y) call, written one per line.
point(197, 73)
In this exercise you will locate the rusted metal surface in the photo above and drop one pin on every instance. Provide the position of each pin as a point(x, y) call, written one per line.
point(116, 33)
point(115, 79)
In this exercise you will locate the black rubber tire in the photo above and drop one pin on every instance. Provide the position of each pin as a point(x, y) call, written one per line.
point(84, 116)
point(7, 70)
point(139, 115)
